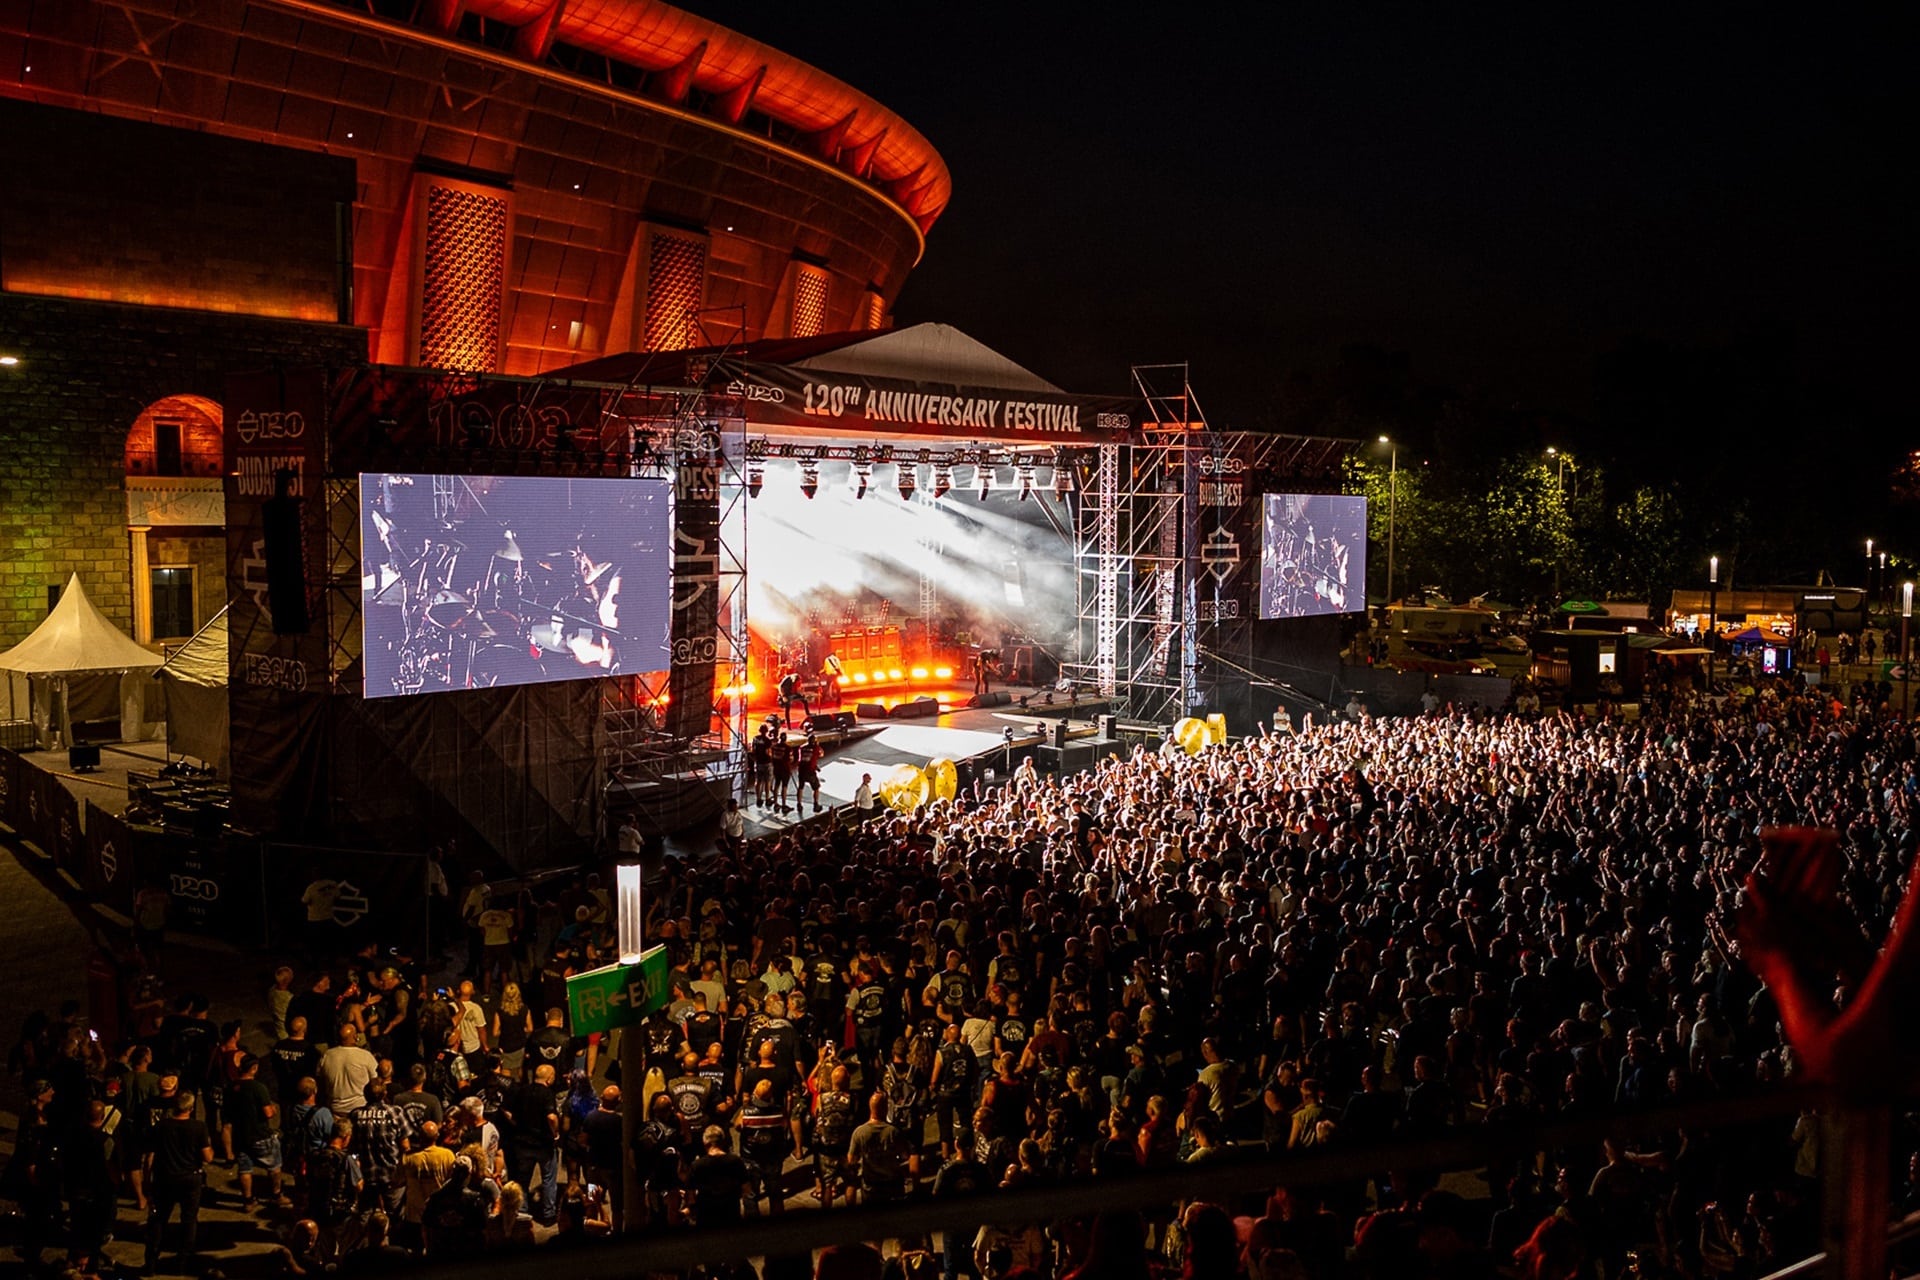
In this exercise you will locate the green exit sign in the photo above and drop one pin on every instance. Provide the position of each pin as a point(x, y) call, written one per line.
point(618, 995)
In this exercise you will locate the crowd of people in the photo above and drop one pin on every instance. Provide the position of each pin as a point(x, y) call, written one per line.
point(1368, 930)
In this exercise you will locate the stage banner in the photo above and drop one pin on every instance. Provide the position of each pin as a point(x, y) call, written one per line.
point(368, 897)
point(1224, 515)
point(779, 396)
point(214, 888)
point(386, 419)
point(276, 435)
point(13, 771)
point(695, 626)
point(60, 826)
point(111, 870)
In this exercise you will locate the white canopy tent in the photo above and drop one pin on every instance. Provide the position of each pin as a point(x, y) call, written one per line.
point(78, 666)
point(195, 678)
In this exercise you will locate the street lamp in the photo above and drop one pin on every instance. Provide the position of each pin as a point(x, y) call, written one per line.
point(1393, 493)
point(1713, 616)
point(1869, 573)
point(1561, 463)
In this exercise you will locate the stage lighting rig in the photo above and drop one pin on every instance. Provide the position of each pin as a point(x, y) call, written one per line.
point(907, 481)
point(756, 476)
point(809, 479)
point(1062, 480)
point(942, 481)
point(862, 475)
point(1026, 482)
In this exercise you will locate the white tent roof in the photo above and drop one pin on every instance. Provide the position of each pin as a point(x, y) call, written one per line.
point(927, 353)
point(76, 637)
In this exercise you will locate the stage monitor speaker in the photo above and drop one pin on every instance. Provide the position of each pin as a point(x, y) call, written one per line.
point(919, 708)
point(998, 698)
point(824, 721)
point(1109, 726)
point(845, 720)
point(1057, 734)
point(869, 711)
point(1075, 757)
point(286, 570)
point(83, 755)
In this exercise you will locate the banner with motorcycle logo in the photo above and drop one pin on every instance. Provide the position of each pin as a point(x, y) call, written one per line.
point(13, 771)
point(1223, 507)
point(111, 870)
point(357, 895)
point(60, 835)
point(695, 626)
point(277, 679)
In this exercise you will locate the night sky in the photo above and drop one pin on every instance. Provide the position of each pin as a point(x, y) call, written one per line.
point(1501, 200)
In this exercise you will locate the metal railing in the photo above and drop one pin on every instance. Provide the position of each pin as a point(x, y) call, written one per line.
point(796, 1234)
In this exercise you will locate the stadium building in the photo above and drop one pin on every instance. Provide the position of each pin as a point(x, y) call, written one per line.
point(515, 186)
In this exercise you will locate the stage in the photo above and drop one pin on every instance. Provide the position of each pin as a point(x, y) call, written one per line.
point(974, 738)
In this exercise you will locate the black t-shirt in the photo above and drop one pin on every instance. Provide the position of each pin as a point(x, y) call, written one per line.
point(781, 1077)
point(246, 1111)
point(717, 1182)
point(530, 1104)
point(178, 1147)
point(604, 1130)
point(702, 1028)
point(551, 1045)
point(292, 1061)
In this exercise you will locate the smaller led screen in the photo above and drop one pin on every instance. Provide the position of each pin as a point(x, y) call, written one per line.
point(1313, 555)
point(473, 581)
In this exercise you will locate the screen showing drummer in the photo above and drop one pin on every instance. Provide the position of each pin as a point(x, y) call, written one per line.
point(1313, 555)
point(474, 581)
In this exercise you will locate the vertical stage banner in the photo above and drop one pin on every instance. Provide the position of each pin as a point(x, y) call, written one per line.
point(277, 683)
point(696, 582)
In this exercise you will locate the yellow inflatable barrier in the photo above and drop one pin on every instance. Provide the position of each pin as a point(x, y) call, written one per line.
point(1216, 728)
point(1191, 734)
point(905, 789)
point(943, 778)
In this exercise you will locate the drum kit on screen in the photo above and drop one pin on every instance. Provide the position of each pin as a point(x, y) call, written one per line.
point(475, 617)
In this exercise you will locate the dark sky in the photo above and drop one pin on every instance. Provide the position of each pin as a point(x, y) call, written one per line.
point(1503, 197)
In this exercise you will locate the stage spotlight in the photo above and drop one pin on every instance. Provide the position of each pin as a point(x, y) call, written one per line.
point(985, 476)
point(942, 481)
point(809, 480)
point(859, 677)
point(907, 481)
point(919, 673)
point(1062, 481)
point(1026, 483)
point(896, 674)
point(756, 476)
point(861, 475)
point(943, 673)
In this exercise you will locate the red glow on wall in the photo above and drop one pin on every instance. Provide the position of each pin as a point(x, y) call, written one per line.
point(463, 270)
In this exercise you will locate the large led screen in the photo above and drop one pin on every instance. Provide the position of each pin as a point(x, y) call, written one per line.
point(1313, 555)
point(473, 581)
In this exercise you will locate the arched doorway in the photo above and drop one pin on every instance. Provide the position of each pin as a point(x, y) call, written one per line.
point(176, 516)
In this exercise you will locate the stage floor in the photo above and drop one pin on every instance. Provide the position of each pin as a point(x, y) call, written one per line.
point(958, 733)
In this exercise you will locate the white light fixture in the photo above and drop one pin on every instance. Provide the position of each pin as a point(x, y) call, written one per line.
point(1713, 570)
point(1906, 599)
point(9, 361)
point(627, 893)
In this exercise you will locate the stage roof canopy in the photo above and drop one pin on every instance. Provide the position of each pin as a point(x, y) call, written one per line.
point(928, 380)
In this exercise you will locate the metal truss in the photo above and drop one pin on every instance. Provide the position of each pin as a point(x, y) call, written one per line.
point(1158, 535)
point(341, 607)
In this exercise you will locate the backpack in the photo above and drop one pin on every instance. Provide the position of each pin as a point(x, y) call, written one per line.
point(833, 1126)
point(903, 1095)
point(328, 1180)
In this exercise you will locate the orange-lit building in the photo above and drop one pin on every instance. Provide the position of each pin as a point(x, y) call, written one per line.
point(189, 187)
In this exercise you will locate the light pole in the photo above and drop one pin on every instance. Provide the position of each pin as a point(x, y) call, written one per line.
point(1561, 462)
point(1869, 574)
point(1393, 494)
point(1906, 659)
point(1881, 587)
point(633, 1055)
point(1713, 617)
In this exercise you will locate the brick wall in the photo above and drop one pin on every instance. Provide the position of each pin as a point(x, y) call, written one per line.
point(86, 372)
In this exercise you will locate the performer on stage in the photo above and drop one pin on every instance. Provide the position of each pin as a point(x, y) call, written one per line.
point(831, 671)
point(986, 665)
point(789, 694)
